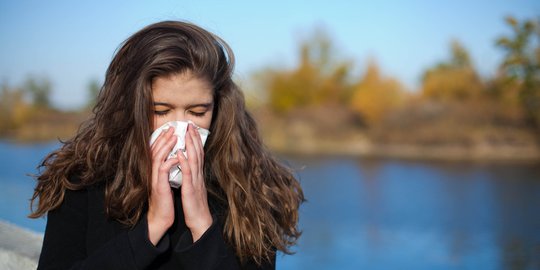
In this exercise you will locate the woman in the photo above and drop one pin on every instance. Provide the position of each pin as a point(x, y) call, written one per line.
point(106, 192)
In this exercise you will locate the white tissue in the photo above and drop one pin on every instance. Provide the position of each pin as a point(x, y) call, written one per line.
point(180, 128)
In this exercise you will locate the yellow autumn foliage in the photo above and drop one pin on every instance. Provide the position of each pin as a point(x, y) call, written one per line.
point(14, 111)
point(318, 80)
point(454, 79)
point(451, 84)
point(374, 96)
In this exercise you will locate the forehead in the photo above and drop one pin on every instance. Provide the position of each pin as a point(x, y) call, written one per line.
point(181, 89)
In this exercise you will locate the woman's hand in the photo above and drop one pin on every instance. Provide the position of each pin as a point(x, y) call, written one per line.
point(194, 196)
point(161, 201)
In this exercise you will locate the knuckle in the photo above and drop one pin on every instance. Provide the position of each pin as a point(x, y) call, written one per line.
point(163, 169)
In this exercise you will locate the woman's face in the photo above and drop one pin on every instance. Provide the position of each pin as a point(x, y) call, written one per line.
point(182, 97)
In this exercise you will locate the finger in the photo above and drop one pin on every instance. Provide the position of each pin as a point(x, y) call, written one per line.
point(192, 155)
point(161, 180)
point(197, 141)
point(196, 159)
point(165, 168)
point(160, 154)
point(190, 147)
point(162, 139)
point(184, 168)
point(156, 141)
point(159, 159)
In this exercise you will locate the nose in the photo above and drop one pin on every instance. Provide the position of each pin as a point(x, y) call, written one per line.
point(180, 116)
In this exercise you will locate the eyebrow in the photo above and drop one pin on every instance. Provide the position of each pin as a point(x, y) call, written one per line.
point(206, 105)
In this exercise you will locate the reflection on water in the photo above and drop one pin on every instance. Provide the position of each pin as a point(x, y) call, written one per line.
point(387, 214)
point(17, 163)
point(378, 214)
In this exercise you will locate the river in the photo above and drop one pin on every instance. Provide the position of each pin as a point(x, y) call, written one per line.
point(376, 213)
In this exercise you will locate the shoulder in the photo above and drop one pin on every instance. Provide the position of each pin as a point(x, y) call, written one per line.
point(76, 193)
point(75, 183)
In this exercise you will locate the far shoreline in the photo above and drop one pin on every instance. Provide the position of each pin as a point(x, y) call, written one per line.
point(409, 152)
point(366, 149)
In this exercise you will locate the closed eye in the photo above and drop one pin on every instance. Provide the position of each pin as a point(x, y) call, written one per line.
point(197, 114)
point(162, 112)
point(161, 108)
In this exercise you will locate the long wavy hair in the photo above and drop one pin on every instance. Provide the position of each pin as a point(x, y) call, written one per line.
point(260, 196)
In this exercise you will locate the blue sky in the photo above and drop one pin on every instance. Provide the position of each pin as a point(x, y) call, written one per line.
point(72, 42)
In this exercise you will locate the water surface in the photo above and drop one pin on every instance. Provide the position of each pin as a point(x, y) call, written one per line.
point(376, 214)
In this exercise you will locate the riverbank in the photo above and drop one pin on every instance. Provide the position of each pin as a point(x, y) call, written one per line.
point(335, 132)
point(360, 146)
point(332, 134)
point(363, 146)
point(476, 153)
point(19, 247)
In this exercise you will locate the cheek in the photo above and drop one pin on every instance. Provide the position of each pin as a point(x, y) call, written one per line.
point(208, 122)
point(203, 122)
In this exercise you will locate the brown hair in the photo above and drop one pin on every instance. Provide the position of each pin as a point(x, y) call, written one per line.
point(260, 196)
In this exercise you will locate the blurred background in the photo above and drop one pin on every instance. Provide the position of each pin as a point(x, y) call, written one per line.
point(413, 126)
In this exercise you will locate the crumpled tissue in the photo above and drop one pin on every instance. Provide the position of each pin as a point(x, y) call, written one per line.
point(180, 129)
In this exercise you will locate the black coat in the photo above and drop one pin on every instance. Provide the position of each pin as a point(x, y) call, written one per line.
point(80, 236)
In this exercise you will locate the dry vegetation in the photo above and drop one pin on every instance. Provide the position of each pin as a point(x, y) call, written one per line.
point(322, 107)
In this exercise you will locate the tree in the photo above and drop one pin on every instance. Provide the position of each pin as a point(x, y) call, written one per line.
point(93, 87)
point(454, 79)
point(374, 96)
point(521, 65)
point(14, 111)
point(39, 90)
point(319, 79)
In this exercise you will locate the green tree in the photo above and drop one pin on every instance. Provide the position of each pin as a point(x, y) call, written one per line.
point(521, 65)
point(93, 87)
point(39, 90)
point(454, 79)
